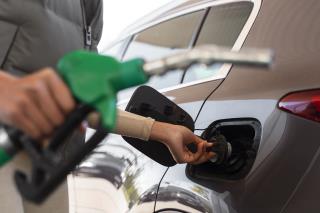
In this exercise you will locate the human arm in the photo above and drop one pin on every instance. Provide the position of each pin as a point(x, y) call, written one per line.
point(175, 137)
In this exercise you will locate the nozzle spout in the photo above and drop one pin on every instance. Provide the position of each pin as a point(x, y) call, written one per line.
point(208, 55)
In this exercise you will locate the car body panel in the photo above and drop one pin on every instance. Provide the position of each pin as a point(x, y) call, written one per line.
point(271, 184)
point(285, 163)
point(192, 97)
point(204, 199)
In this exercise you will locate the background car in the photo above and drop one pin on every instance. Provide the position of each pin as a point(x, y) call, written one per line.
point(271, 117)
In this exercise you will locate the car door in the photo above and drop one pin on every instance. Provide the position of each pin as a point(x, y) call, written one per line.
point(227, 23)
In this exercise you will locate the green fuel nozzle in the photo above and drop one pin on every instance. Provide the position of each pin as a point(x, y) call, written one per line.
point(4, 156)
point(96, 79)
point(8, 148)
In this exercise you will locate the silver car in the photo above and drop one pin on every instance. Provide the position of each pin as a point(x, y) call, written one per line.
point(271, 118)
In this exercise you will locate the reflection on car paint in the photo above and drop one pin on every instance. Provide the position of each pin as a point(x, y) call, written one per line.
point(121, 172)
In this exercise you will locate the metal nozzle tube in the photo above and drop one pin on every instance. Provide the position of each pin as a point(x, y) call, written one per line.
point(208, 55)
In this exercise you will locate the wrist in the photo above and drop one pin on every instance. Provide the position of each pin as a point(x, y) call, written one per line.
point(160, 131)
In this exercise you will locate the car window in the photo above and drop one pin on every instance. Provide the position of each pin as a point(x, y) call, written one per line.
point(163, 39)
point(222, 27)
point(116, 50)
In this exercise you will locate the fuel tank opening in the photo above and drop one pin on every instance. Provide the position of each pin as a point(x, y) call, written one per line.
point(243, 137)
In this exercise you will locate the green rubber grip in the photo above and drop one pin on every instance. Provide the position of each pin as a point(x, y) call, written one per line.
point(4, 157)
point(96, 79)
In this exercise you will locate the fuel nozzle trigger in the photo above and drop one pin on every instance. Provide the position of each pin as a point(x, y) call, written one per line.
point(49, 168)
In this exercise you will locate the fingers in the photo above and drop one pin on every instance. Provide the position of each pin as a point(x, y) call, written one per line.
point(28, 127)
point(194, 157)
point(17, 118)
point(34, 115)
point(204, 158)
point(59, 91)
point(205, 155)
point(49, 109)
point(202, 155)
point(50, 100)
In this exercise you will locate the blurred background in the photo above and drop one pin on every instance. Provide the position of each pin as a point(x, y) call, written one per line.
point(118, 14)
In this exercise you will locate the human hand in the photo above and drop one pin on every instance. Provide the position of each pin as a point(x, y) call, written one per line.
point(176, 138)
point(35, 104)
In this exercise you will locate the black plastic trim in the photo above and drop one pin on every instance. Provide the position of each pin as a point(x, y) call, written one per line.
point(148, 102)
point(248, 142)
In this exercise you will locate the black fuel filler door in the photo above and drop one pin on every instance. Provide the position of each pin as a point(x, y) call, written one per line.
point(243, 135)
point(148, 102)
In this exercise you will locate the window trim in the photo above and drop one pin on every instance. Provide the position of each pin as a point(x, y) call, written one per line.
point(126, 46)
point(197, 31)
point(225, 68)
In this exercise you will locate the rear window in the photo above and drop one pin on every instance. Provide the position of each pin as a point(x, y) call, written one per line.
point(222, 27)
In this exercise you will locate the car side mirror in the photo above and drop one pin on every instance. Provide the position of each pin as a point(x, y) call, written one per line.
point(148, 102)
